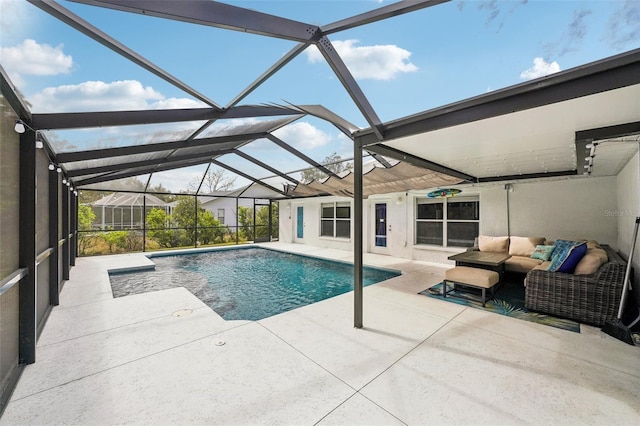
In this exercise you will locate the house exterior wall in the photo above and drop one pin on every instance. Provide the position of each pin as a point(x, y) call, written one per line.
point(567, 209)
point(554, 209)
point(628, 208)
point(311, 236)
point(229, 206)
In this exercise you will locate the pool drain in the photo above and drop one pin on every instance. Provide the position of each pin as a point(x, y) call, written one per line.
point(182, 313)
point(220, 342)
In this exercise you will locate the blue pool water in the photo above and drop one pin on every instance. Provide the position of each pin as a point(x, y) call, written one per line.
point(248, 283)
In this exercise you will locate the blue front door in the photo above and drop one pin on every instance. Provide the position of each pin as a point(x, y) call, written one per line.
point(300, 222)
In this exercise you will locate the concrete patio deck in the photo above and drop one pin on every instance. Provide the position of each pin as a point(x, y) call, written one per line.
point(165, 358)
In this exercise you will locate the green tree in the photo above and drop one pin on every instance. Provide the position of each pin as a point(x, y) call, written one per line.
point(86, 216)
point(275, 220)
point(184, 216)
point(209, 229)
point(115, 240)
point(157, 221)
point(163, 193)
point(245, 222)
point(262, 221)
point(332, 162)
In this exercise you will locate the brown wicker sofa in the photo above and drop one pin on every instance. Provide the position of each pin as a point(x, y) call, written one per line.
point(590, 299)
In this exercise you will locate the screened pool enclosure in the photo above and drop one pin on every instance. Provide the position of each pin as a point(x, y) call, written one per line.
point(132, 157)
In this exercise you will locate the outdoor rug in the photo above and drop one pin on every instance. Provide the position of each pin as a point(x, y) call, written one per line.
point(509, 301)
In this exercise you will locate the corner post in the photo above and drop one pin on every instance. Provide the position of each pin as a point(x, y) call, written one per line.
point(357, 234)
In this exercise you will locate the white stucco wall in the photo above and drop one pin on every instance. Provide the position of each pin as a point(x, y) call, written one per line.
point(628, 208)
point(560, 208)
point(311, 234)
point(554, 209)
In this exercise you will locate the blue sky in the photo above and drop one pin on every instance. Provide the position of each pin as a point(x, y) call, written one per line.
point(404, 65)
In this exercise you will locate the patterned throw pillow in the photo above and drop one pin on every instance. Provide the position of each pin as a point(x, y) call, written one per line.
point(566, 255)
point(542, 252)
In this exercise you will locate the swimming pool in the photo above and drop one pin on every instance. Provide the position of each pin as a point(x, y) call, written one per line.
point(248, 283)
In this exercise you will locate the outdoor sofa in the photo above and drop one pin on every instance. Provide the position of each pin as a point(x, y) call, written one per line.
point(587, 290)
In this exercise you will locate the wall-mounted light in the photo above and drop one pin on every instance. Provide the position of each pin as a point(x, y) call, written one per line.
point(19, 127)
point(22, 127)
point(39, 143)
point(591, 152)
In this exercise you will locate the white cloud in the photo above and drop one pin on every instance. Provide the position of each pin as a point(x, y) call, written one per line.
point(13, 16)
point(380, 62)
point(32, 58)
point(303, 135)
point(100, 96)
point(540, 68)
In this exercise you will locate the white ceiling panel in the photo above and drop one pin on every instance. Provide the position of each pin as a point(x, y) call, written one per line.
point(536, 140)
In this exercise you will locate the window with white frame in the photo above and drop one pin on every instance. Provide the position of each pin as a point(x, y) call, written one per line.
point(447, 222)
point(221, 216)
point(335, 220)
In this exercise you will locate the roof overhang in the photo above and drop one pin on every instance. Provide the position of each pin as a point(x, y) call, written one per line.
point(526, 130)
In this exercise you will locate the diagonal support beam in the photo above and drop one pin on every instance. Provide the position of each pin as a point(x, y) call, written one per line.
point(420, 162)
point(56, 10)
point(121, 175)
point(380, 159)
point(293, 53)
point(95, 154)
point(344, 75)
point(300, 155)
point(84, 120)
point(9, 92)
point(385, 12)
point(246, 176)
point(215, 14)
point(265, 166)
point(153, 162)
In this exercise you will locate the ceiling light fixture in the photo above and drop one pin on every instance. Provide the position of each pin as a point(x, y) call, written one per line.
point(52, 166)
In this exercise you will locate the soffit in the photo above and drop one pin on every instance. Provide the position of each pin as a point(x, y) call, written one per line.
point(532, 141)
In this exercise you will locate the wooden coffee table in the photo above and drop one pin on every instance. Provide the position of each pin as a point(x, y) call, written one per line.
point(482, 260)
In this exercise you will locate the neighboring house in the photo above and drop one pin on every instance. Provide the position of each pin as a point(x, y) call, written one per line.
point(121, 210)
point(224, 208)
